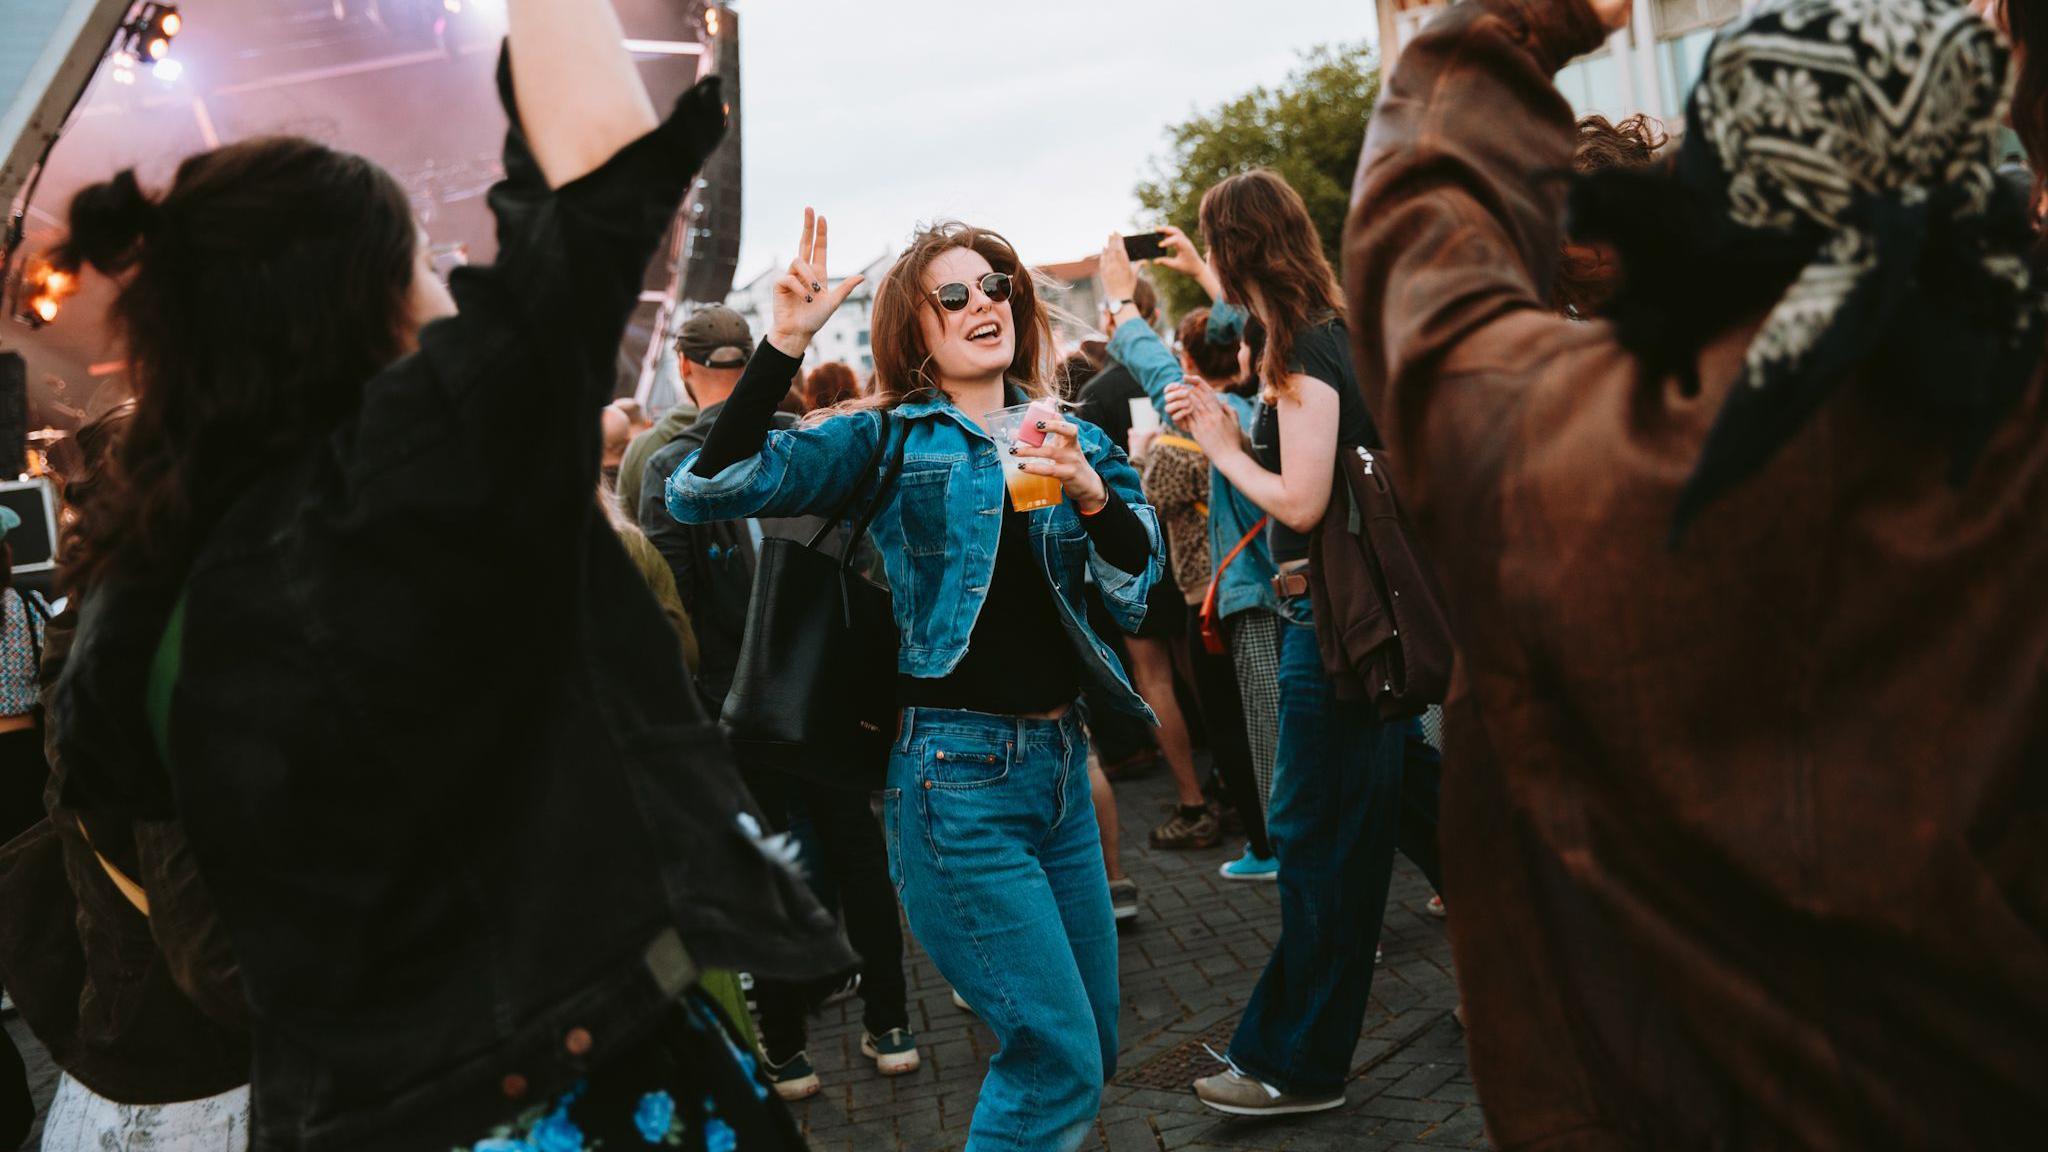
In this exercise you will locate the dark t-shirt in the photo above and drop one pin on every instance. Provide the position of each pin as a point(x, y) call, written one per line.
point(1105, 402)
point(1322, 353)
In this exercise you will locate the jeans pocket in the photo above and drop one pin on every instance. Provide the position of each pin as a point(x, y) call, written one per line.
point(892, 836)
point(967, 763)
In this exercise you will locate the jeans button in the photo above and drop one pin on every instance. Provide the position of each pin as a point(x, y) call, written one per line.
point(514, 1086)
point(577, 1042)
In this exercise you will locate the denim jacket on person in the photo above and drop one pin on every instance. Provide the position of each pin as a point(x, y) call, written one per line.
point(938, 529)
point(430, 737)
point(1248, 581)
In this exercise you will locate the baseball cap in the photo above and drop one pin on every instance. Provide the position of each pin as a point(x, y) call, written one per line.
point(716, 337)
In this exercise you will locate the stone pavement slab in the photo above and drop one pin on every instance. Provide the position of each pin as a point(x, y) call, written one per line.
point(1188, 964)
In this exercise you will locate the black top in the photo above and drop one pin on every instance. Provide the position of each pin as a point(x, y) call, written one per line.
point(1322, 353)
point(1016, 660)
point(1105, 402)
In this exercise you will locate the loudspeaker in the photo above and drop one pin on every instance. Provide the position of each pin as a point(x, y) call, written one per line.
point(13, 415)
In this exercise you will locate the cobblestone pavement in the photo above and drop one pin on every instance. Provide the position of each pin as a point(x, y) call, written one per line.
point(1188, 962)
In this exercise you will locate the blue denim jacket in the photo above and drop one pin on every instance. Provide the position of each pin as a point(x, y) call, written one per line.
point(939, 528)
point(1248, 582)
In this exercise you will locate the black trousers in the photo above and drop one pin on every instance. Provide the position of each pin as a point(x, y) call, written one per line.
point(1230, 748)
point(1113, 735)
point(17, 1107)
point(23, 775)
point(850, 850)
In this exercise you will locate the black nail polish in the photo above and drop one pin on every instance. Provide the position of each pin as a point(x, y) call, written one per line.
point(1041, 425)
point(807, 299)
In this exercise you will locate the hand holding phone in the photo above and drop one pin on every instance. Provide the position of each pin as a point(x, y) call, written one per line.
point(1145, 246)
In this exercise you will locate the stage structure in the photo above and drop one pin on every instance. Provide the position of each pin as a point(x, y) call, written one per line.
point(407, 83)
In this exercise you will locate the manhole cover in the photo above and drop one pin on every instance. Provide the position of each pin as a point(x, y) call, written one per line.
point(1177, 1068)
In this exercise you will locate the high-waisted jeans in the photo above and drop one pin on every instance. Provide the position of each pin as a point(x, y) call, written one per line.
point(1341, 806)
point(993, 847)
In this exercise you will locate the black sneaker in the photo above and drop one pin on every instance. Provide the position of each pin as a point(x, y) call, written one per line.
point(794, 1078)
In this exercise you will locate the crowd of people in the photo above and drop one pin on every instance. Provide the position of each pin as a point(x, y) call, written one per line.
point(367, 789)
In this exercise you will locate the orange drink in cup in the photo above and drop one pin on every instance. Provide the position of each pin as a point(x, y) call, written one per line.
point(1018, 424)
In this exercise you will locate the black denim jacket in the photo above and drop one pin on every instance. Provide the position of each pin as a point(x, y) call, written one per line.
point(431, 739)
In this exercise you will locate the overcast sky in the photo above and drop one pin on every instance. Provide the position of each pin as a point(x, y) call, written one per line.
point(1033, 117)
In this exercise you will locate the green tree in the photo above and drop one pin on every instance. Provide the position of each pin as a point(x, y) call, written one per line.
point(1309, 130)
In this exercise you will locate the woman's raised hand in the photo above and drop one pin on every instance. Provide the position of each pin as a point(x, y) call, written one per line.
point(805, 296)
point(1119, 278)
point(1183, 257)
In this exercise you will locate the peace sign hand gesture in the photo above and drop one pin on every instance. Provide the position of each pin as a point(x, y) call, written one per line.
point(805, 297)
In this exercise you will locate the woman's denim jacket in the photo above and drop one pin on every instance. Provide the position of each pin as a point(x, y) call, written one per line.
point(1248, 581)
point(938, 529)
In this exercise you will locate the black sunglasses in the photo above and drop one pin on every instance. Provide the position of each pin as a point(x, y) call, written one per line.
point(953, 297)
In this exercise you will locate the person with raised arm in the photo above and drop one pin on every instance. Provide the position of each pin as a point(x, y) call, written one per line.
point(1745, 833)
point(1001, 506)
point(472, 840)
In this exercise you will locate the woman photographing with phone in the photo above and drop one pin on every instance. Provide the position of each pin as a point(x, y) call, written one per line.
point(1336, 802)
point(991, 830)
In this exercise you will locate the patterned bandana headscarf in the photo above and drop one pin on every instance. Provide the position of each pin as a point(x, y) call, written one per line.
point(1864, 131)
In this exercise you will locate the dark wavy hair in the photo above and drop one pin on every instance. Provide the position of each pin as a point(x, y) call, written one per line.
point(1260, 235)
point(2026, 26)
point(1584, 278)
point(257, 295)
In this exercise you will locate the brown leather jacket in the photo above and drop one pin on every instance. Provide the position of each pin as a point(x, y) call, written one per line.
point(1746, 841)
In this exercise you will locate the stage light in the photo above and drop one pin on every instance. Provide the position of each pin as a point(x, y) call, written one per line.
point(150, 34)
point(44, 289)
point(711, 21)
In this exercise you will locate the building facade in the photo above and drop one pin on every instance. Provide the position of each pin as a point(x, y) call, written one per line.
point(1647, 67)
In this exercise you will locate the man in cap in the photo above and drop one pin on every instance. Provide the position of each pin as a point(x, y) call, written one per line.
point(714, 567)
point(712, 347)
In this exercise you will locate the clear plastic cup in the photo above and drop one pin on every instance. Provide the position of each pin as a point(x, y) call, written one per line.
point(1144, 416)
point(1028, 490)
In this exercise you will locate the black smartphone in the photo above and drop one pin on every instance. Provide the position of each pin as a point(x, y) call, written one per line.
point(1145, 245)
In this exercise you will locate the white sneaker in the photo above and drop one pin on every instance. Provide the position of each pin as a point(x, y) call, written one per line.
point(894, 1052)
point(1235, 1093)
point(961, 1003)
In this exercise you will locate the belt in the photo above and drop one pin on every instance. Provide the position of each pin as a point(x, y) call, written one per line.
point(1291, 585)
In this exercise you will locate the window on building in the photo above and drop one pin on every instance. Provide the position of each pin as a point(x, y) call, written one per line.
point(865, 336)
point(1675, 18)
point(1593, 84)
point(1678, 65)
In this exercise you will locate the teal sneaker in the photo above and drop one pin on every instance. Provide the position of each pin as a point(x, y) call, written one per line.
point(1250, 867)
point(894, 1052)
point(794, 1078)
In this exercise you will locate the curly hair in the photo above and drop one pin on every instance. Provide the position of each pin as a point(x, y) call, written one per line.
point(1585, 278)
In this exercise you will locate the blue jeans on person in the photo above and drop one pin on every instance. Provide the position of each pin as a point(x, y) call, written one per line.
point(993, 848)
point(1335, 820)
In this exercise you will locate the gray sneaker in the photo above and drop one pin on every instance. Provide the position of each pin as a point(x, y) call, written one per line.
point(1123, 899)
point(1237, 1094)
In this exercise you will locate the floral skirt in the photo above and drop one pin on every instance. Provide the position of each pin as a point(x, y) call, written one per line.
point(687, 1086)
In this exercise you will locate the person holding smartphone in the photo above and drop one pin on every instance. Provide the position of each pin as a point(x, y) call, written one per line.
point(1336, 815)
point(991, 832)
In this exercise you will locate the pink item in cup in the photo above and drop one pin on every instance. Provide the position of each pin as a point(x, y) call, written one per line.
point(1031, 434)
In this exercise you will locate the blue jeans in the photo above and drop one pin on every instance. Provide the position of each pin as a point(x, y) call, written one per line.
point(1336, 818)
point(993, 848)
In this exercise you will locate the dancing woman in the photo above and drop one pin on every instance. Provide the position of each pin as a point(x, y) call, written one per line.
point(990, 827)
point(470, 838)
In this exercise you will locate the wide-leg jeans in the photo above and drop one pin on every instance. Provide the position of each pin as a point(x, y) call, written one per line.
point(993, 847)
point(1335, 822)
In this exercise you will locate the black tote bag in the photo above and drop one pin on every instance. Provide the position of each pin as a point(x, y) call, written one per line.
point(814, 692)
